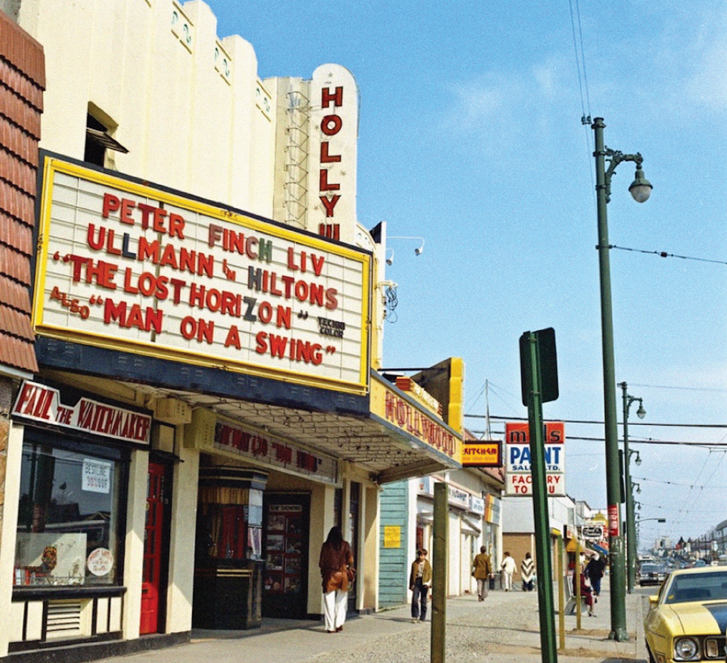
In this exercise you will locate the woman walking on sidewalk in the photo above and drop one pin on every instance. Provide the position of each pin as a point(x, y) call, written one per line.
point(336, 557)
point(508, 567)
point(481, 571)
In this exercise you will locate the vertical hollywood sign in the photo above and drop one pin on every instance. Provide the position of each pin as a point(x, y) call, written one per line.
point(331, 125)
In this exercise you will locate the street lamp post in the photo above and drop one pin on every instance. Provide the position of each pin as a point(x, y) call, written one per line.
point(630, 523)
point(640, 190)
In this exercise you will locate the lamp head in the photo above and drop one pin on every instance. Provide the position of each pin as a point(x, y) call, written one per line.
point(419, 249)
point(638, 459)
point(641, 187)
point(390, 257)
point(641, 413)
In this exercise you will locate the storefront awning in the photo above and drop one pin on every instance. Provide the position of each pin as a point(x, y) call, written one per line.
point(393, 439)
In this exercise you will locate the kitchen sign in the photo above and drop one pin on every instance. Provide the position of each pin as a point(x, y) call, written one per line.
point(129, 266)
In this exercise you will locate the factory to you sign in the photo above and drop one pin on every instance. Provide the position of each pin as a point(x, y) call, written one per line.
point(128, 266)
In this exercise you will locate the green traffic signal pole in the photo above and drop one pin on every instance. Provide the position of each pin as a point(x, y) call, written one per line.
point(534, 395)
point(613, 473)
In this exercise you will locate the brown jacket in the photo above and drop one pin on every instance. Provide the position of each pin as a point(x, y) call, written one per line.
point(426, 573)
point(333, 564)
point(481, 566)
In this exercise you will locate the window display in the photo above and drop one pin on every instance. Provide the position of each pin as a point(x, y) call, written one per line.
point(284, 548)
point(68, 520)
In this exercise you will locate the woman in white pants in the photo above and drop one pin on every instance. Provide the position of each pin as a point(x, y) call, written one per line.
point(508, 568)
point(336, 557)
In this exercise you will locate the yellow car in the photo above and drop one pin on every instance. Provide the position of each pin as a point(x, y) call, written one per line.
point(687, 619)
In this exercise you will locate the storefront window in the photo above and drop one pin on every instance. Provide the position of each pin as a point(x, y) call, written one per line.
point(68, 521)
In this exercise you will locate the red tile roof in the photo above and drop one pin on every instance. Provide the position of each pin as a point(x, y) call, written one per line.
point(22, 81)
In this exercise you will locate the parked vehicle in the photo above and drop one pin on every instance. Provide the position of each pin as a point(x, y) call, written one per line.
point(651, 574)
point(685, 621)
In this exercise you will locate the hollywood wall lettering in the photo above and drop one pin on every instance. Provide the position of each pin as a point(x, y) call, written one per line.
point(413, 421)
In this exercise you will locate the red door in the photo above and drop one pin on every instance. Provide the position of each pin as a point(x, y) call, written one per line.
point(150, 585)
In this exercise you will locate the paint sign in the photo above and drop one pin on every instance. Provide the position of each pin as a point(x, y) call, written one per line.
point(136, 268)
point(518, 469)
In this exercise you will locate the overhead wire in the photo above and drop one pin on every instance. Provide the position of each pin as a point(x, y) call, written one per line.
point(600, 423)
point(664, 254)
point(582, 84)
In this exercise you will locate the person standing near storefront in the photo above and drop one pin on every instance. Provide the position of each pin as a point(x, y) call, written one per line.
point(335, 560)
point(508, 567)
point(481, 571)
point(595, 570)
point(527, 571)
point(420, 579)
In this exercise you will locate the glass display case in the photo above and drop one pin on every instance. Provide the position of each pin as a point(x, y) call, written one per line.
point(228, 551)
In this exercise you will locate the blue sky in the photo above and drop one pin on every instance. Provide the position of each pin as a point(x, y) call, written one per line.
point(471, 137)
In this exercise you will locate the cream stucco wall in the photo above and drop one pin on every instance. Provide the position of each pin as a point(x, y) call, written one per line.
point(186, 104)
point(9, 527)
point(182, 539)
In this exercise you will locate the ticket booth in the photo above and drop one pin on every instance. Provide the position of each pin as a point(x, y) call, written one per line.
point(228, 556)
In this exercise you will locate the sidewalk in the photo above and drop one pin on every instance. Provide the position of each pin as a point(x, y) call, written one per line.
point(502, 629)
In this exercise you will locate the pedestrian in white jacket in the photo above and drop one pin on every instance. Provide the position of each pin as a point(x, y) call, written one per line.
point(508, 567)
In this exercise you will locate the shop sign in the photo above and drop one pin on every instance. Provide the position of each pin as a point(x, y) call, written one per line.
point(518, 470)
point(592, 532)
point(455, 496)
point(492, 509)
point(613, 520)
point(482, 454)
point(41, 403)
point(477, 505)
point(392, 536)
point(274, 453)
point(426, 486)
point(458, 497)
point(414, 421)
point(132, 267)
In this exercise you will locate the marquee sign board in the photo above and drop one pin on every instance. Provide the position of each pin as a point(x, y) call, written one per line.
point(130, 266)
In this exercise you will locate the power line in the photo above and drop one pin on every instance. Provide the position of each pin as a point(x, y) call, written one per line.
point(599, 423)
point(664, 254)
point(708, 445)
point(659, 386)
